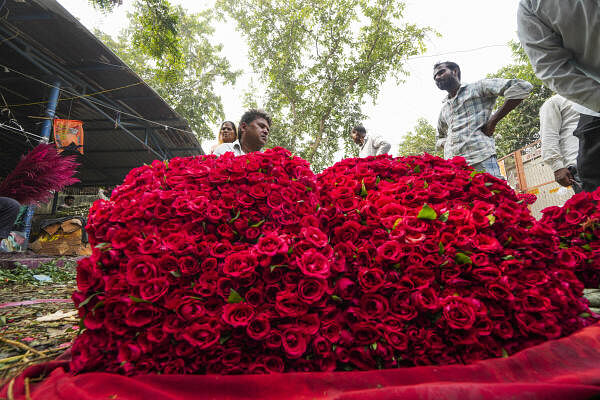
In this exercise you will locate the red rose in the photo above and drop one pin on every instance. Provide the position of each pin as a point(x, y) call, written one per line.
point(311, 290)
point(458, 313)
point(259, 327)
point(202, 336)
point(240, 265)
point(294, 343)
point(141, 314)
point(154, 289)
point(238, 314)
point(313, 263)
point(140, 269)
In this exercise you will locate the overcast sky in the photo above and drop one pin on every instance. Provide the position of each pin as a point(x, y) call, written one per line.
point(474, 34)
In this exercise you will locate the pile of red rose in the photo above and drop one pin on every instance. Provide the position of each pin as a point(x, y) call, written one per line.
point(577, 224)
point(254, 264)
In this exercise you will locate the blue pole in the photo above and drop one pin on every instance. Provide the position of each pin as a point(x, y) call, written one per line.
point(46, 130)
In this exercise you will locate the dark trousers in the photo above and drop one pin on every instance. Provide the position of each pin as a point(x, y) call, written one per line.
point(9, 209)
point(588, 160)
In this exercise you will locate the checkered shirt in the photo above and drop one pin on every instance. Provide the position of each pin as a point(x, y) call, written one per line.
point(463, 116)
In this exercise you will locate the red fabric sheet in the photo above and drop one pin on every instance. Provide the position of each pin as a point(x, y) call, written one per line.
point(568, 368)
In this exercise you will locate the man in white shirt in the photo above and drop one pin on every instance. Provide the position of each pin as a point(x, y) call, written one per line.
point(253, 133)
point(562, 40)
point(369, 145)
point(558, 120)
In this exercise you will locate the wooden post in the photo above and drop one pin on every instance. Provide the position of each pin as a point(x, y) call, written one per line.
point(520, 171)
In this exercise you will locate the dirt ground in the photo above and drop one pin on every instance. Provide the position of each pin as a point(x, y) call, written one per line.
point(37, 318)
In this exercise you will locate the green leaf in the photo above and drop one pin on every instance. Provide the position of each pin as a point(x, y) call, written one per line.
point(587, 247)
point(508, 257)
point(427, 213)
point(224, 339)
point(417, 169)
point(444, 216)
point(236, 217)
point(234, 297)
point(425, 185)
point(137, 299)
point(441, 249)
point(87, 300)
point(176, 273)
point(585, 315)
point(488, 184)
point(377, 180)
point(103, 246)
point(336, 298)
point(462, 258)
point(374, 346)
point(363, 189)
point(492, 219)
point(504, 353)
point(98, 305)
point(259, 223)
point(396, 223)
point(277, 266)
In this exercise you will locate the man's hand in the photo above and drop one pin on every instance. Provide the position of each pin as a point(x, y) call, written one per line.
point(488, 128)
point(563, 177)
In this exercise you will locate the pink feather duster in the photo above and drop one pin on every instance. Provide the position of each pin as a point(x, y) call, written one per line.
point(38, 174)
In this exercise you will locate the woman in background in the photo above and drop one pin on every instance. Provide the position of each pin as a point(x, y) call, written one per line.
point(227, 134)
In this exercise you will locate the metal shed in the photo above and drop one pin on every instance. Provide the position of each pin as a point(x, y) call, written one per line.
point(44, 50)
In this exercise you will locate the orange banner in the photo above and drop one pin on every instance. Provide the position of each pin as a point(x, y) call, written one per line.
point(68, 135)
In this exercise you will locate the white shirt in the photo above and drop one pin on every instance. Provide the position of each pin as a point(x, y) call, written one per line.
point(558, 120)
point(374, 146)
point(562, 40)
point(234, 147)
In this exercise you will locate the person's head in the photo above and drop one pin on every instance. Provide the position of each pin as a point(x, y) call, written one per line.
point(254, 128)
point(446, 75)
point(227, 133)
point(358, 134)
point(69, 200)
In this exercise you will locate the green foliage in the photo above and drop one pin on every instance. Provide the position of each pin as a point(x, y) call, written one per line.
point(521, 126)
point(156, 34)
point(420, 140)
point(105, 5)
point(60, 271)
point(320, 60)
point(187, 85)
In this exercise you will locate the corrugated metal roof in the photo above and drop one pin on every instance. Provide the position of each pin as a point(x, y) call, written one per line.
point(41, 43)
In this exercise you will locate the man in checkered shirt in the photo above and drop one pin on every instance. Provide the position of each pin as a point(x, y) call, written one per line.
point(466, 124)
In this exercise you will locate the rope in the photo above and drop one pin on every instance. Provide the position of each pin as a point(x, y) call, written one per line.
point(21, 131)
point(76, 95)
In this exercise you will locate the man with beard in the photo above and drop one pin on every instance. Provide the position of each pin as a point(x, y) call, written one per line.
point(253, 133)
point(466, 124)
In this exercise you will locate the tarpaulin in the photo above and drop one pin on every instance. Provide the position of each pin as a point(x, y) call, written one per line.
point(568, 368)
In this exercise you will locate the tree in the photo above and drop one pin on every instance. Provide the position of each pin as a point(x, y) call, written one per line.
point(521, 126)
point(319, 61)
point(189, 86)
point(420, 140)
point(156, 33)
